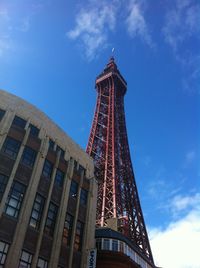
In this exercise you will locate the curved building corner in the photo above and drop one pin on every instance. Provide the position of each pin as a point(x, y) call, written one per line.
point(47, 191)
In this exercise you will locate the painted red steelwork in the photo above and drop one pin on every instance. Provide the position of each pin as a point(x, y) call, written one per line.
point(108, 145)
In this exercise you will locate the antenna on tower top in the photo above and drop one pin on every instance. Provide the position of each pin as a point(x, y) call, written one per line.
point(113, 49)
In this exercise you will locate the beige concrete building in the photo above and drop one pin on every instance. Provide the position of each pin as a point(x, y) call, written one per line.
point(47, 191)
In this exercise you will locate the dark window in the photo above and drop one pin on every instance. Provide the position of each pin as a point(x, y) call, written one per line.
point(47, 169)
point(83, 198)
point(73, 189)
point(37, 211)
point(80, 169)
point(62, 152)
point(34, 131)
point(3, 252)
point(28, 157)
point(99, 243)
point(75, 165)
point(19, 122)
point(25, 260)
point(79, 236)
point(15, 198)
point(11, 147)
point(115, 245)
point(51, 144)
point(3, 183)
point(2, 112)
point(59, 178)
point(67, 231)
point(106, 244)
point(51, 219)
point(42, 263)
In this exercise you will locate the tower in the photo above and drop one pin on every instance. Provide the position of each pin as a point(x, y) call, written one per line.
point(108, 145)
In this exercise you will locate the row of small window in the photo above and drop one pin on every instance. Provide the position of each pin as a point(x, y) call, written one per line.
point(25, 259)
point(116, 245)
point(14, 202)
point(59, 178)
point(11, 148)
point(21, 123)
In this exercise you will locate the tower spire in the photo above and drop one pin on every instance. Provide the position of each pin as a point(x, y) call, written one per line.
point(108, 145)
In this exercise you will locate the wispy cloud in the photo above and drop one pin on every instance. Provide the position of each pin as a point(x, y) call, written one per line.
point(181, 30)
point(93, 24)
point(177, 246)
point(136, 23)
point(97, 19)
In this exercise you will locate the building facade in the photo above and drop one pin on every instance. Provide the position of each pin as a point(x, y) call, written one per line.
point(47, 191)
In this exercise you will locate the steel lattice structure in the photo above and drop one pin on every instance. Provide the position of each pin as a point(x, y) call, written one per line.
point(108, 145)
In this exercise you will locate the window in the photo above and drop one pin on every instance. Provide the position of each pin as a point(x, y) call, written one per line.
point(19, 122)
point(37, 211)
point(14, 200)
point(2, 112)
point(62, 152)
point(28, 157)
point(25, 260)
point(47, 169)
point(59, 178)
point(67, 231)
point(42, 263)
point(106, 244)
point(98, 243)
point(73, 189)
point(81, 168)
point(121, 246)
point(34, 131)
point(51, 219)
point(83, 198)
point(79, 236)
point(11, 147)
point(51, 144)
point(115, 245)
point(3, 183)
point(3, 252)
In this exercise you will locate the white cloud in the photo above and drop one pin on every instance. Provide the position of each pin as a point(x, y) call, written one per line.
point(136, 23)
point(178, 245)
point(93, 24)
point(97, 19)
point(181, 30)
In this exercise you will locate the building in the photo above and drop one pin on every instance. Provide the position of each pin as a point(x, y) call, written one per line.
point(47, 191)
point(122, 239)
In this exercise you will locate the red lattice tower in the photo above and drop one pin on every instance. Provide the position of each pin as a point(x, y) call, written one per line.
point(108, 146)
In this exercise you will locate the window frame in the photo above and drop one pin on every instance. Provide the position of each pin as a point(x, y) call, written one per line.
point(78, 241)
point(73, 192)
point(11, 147)
point(15, 199)
point(28, 157)
point(4, 247)
point(37, 209)
point(47, 169)
point(59, 178)
point(51, 219)
point(19, 122)
point(44, 265)
point(84, 197)
point(3, 183)
point(34, 131)
point(67, 230)
point(25, 263)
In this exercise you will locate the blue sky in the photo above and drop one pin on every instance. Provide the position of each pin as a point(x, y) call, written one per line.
point(50, 54)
